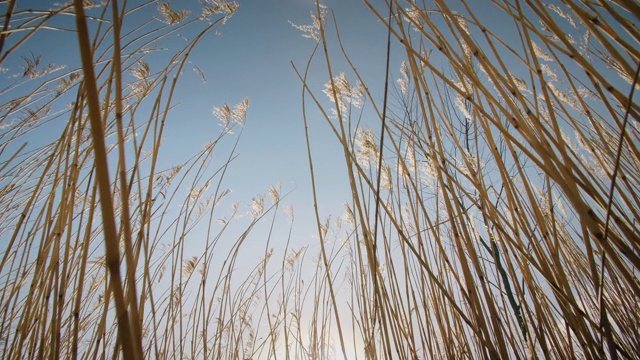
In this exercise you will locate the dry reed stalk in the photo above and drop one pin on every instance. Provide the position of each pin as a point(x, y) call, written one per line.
point(56, 300)
point(489, 194)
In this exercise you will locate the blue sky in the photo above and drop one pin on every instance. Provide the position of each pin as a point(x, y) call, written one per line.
point(251, 57)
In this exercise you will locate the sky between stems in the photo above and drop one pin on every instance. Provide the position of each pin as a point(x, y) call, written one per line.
point(251, 57)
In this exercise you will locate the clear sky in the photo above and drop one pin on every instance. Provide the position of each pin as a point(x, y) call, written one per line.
point(251, 57)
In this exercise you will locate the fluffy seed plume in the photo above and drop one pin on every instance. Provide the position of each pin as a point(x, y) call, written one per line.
point(313, 31)
point(345, 93)
point(171, 16)
point(212, 7)
point(228, 115)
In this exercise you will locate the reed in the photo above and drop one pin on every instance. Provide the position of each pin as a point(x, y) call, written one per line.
point(493, 209)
